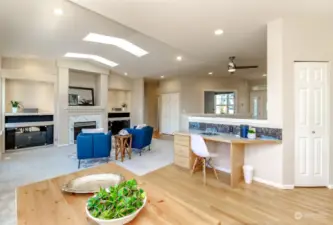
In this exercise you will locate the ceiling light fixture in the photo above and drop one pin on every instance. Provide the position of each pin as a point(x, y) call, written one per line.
point(218, 32)
point(92, 57)
point(162, 76)
point(58, 12)
point(119, 42)
point(210, 73)
point(179, 58)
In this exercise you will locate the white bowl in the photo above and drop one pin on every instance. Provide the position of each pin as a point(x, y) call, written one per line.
point(119, 221)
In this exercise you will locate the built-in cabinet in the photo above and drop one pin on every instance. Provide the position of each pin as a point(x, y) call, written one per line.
point(169, 113)
point(183, 155)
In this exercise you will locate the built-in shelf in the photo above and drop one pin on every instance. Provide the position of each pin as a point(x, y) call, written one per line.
point(29, 114)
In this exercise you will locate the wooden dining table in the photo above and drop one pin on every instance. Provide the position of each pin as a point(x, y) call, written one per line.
point(43, 203)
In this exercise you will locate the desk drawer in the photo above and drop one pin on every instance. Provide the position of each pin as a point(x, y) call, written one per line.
point(182, 150)
point(182, 161)
point(182, 140)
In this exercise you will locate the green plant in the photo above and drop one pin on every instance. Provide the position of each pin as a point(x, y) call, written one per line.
point(124, 105)
point(121, 200)
point(15, 104)
point(251, 131)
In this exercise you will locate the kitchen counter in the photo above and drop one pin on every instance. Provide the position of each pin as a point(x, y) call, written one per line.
point(229, 138)
point(184, 157)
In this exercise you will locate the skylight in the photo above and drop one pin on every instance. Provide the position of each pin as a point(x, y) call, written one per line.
point(92, 57)
point(119, 42)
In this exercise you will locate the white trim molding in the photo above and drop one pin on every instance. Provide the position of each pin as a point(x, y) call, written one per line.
point(330, 186)
point(273, 184)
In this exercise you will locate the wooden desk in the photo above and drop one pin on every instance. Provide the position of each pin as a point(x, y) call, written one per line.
point(43, 203)
point(184, 157)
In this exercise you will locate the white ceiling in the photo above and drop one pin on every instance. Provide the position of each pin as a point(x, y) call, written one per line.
point(165, 28)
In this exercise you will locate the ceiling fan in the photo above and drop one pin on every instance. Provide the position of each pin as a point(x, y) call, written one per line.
point(232, 66)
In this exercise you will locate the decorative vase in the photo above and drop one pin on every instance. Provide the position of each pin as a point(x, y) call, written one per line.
point(251, 136)
point(124, 109)
point(14, 109)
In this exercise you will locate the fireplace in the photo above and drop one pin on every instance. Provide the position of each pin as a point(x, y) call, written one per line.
point(78, 126)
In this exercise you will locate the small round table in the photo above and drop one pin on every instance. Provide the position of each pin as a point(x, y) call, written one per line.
point(123, 144)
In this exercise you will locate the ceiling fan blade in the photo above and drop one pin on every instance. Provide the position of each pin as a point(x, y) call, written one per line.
point(246, 67)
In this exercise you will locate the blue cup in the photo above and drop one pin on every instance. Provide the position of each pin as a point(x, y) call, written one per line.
point(244, 130)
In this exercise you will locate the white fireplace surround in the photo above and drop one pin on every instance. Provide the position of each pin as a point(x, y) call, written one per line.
point(82, 118)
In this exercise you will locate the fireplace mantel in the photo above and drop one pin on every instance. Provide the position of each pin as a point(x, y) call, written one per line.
point(80, 109)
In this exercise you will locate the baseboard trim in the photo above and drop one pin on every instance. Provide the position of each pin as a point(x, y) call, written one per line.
point(63, 145)
point(263, 181)
point(330, 186)
point(273, 184)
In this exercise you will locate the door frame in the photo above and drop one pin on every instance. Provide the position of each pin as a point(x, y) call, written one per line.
point(327, 117)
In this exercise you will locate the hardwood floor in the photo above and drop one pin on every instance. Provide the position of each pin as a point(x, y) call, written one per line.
point(248, 204)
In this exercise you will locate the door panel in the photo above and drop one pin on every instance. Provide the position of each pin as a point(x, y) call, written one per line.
point(311, 124)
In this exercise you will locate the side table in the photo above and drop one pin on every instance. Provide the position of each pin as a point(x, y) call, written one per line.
point(123, 145)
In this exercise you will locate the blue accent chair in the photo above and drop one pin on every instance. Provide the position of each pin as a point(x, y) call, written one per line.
point(141, 138)
point(93, 145)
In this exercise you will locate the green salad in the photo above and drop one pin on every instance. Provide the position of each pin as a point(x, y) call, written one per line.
point(122, 200)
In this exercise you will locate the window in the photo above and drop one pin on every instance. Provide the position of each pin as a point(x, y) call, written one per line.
point(225, 103)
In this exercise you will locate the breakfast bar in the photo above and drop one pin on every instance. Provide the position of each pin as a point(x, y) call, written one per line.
point(184, 157)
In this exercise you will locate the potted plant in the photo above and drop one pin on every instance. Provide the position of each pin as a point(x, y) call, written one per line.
point(15, 106)
point(124, 106)
point(251, 133)
point(116, 205)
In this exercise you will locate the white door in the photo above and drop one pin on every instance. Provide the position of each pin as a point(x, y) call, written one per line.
point(311, 124)
point(169, 113)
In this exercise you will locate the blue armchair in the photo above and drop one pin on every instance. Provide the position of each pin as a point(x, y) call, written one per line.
point(141, 138)
point(93, 145)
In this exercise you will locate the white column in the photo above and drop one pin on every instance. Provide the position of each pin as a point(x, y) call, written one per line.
point(137, 106)
point(62, 105)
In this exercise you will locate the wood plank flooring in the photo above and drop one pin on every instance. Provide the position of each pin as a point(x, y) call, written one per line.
point(248, 204)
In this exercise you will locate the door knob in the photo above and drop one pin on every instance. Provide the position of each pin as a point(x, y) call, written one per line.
point(313, 132)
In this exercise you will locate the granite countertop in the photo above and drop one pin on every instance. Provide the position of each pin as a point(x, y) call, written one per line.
point(229, 138)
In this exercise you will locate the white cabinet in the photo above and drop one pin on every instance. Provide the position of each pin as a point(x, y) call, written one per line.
point(169, 115)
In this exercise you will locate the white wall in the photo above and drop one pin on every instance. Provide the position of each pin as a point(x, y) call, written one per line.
point(119, 82)
point(117, 97)
point(31, 94)
point(304, 39)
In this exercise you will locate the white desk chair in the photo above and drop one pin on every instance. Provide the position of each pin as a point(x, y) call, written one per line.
point(199, 148)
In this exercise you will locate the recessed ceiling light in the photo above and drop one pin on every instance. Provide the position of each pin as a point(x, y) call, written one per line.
point(162, 76)
point(92, 57)
point(125, 74)
point(264, 75)
point(58, 12)
point(179, 58)
point(119, 42)
point(210, 73)
point(218, 32)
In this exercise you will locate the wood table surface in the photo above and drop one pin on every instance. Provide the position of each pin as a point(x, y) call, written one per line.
point(43, 203)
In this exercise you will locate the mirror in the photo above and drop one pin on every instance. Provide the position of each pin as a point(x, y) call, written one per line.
point(79, 96)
